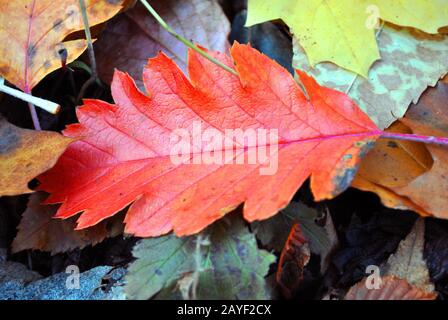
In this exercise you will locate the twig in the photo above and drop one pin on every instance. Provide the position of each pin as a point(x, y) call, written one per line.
point(94, 75)
point(38, 102)
point(165, 26)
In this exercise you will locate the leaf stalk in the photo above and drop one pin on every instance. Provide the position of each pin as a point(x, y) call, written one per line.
point(415, 138)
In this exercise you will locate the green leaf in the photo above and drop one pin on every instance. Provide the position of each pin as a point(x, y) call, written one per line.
point(237, 266)
point(410, 62)
point(229, 265)
point(160, 262)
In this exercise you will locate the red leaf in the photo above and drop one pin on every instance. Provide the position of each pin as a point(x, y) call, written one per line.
point(293, 260)
point(123, 156)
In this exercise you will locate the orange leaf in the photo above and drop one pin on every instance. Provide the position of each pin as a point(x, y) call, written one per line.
point(409, 175)
point(392, 288)
point(125, 154)
point(32, 34)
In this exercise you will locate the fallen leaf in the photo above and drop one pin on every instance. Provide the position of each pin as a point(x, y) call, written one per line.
point(151, 272)
point(411, 175)
point(367, 241)
point(135, 35)
point(32, 34)
point(24, 154)
point(410, 62)
point(391, 164)
point(429, 117)
point(408, 263)
point(237, 268)
point(343, 31)
point(38, 230)
point(125, 151)
point(273, 232)
point(392, 288)
point(405, 275)
point(231, 265)
point(293, 259)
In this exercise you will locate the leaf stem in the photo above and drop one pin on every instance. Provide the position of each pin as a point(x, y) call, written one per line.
point(92, 59)
point(165, 26)
point(38, 102)
point(415, 137)
point(34, 117)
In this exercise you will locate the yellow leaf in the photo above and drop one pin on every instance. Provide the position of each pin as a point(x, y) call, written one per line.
point(343, 31)
point(32, 34)
point(24, 154)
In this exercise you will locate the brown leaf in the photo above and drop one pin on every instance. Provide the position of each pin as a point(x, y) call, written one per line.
point(293, 259)
point(392, 288)
point(32, 34)
point(24, 154)
point(409, 175)
point(40, 231)
point(408, 262)
point(133, 37)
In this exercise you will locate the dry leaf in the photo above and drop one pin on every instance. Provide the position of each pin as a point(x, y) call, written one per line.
point(410, 62)
point(32, 34)
point(131, 38)
point(343, 31)
point(409, 175)
point(408, 263)
point(392, 288)
point(24, 154)
point(38, 230)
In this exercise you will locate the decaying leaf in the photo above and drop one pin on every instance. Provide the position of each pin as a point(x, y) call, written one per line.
point(33, 33)
point(24, 154)
point(38, 230)
point(273, 232)
point(410, 62)
point(131, 38)
point(160, 262)
point(235, 266)
point(408, 263)
point(125, 151)
point(391, 164)
point(343, 31)
point(409, 175)
point(293, 259)
point(231, 266)
point(392, 288)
